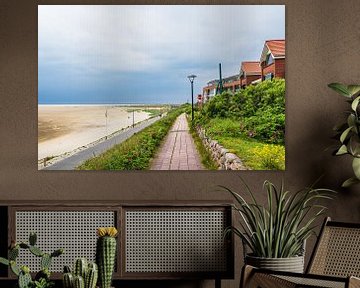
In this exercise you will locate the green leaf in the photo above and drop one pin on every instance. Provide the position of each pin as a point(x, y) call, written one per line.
point(349, 182)
point(342, 150)
point(354, 145)
point(356, 167)
point(353, 89)
point(355, 103)
point(32, 238)
point(345, 134)
point(340, 88)
point(4, 261)
point(14, 268)
point(351, 120)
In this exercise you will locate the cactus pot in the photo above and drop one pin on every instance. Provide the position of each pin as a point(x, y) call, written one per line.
point(291, 264)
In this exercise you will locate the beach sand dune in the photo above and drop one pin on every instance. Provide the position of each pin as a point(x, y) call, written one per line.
point(64, 128)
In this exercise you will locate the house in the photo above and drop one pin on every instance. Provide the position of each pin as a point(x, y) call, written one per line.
point(250, 72)
point(231, 83)
point(272, 59)
point(210, 90)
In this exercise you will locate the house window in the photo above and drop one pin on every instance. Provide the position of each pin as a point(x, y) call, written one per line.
point(268, 76)
point(269, 59)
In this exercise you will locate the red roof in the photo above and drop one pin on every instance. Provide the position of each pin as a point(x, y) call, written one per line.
point(251, 67)
point(276, 47)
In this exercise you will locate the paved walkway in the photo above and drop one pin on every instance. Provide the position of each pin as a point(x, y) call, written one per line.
point(178, 151)
point(73, 161)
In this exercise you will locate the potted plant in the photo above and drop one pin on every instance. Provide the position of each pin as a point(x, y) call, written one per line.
point(276, 233)
point(42, 278)
point(349, 132)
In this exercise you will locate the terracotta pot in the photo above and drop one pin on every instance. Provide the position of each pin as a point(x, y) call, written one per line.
point(291, 264)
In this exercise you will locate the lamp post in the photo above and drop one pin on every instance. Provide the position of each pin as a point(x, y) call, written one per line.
point(191, 78)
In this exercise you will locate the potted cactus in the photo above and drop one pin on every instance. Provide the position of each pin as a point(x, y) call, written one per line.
point(106, 254)
point(42, 278)
point(84, 275)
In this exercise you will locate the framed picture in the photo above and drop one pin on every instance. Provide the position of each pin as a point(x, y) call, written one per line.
point(161, 87)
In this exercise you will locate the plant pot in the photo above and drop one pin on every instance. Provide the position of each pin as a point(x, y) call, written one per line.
point(291, 264)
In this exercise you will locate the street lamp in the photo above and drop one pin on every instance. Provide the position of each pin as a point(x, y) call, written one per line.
point(191, 78)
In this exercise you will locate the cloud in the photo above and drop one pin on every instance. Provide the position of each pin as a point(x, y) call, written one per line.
point(88, 41)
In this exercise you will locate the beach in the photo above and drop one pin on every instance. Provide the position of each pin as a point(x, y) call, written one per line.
point(64, 128)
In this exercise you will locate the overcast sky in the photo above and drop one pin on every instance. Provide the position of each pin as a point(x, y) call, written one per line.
point(143, 54)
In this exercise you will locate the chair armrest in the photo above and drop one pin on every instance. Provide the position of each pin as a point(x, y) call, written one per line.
point(354, 282)
point(253, 278)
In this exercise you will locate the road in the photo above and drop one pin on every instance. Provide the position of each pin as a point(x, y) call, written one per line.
point(178, 151)
point(73, 161)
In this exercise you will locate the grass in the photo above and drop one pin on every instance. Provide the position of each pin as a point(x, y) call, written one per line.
point(153, 112)
point(136, 152)
point(205, 155)
point(254, 154)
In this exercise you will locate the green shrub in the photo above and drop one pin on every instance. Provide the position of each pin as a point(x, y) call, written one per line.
point(223, 127)
point(259, 110)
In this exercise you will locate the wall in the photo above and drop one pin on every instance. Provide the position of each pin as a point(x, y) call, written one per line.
point(323, 41)
point(280, 68)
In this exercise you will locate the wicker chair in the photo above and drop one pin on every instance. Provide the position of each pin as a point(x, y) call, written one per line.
point(334, 263)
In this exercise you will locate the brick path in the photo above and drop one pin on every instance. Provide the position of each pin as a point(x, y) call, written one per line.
point(178, 152)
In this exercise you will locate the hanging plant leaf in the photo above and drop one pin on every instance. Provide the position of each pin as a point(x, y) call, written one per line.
point(349, 182)
point(354, 145)
point(340, 88)
point(342, 150)
point(345, 134)
point(356, 167)
point(354, 90)
point(355, 103)
point(351, 120)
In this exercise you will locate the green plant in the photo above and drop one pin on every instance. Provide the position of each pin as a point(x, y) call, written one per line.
point(105, 254)
point(85, 275)
point(272, 156)
point(42, 278)
point(349, 132)
point(279, 229)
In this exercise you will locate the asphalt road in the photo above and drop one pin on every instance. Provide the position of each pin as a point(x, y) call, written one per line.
point(73, 161)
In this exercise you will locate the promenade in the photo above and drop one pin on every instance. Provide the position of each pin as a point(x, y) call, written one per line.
point(71, 162)
point(178, 151)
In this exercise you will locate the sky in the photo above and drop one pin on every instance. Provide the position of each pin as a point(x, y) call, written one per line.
point(90, 54)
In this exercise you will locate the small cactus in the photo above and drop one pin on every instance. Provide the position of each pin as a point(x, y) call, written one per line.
point(80, 268)
point(36, 251)
point(23, 273)
point(45, 261)
point(14, 268)
point(68, 280)
point(84, 274)
point(4, 261)
point(106, 254)
point(32, 238)
point(79, 282)
point(24, 280)
point(91, 276)
point(13, 253)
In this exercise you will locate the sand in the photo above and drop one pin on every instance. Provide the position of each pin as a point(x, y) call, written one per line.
point(64, 128)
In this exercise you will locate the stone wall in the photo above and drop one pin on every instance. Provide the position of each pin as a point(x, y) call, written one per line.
point(222, 156)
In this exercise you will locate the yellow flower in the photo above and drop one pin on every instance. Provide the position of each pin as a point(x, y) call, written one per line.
point(106, 231)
